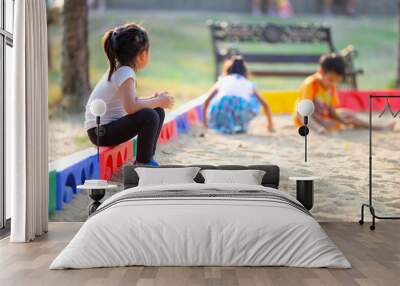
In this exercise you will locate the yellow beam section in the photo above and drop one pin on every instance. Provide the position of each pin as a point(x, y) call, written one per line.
point(281, 101)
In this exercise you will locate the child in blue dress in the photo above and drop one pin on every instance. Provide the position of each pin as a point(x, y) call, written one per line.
point(233, 101)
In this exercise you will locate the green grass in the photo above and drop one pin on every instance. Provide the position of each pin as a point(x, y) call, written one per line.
point(82, 141)
point(182, 61)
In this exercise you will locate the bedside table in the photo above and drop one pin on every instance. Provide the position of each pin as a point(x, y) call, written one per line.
point(97, 190)
point(305, 190)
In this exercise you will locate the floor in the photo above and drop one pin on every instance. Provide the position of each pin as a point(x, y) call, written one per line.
point(375, 257)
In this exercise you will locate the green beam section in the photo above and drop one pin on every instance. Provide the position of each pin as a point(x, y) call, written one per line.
point(52, 191)
point(134, 148)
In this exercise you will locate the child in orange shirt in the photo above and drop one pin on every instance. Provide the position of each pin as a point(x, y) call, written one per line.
point(321, 89)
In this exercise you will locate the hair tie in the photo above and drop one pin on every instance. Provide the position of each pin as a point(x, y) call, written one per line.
point(139, 37)
point(114, 40)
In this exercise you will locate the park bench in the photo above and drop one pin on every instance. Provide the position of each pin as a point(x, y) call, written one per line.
point(245, 39)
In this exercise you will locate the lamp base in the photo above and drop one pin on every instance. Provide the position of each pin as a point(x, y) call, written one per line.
point(304, 131)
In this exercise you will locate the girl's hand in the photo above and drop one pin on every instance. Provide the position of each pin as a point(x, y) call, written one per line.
point(347, 121)
point(321, 130)
point(329, 124)
point(164, 100)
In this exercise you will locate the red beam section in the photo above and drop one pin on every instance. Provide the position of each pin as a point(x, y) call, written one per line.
point(358, 100)
point(112, 158)
point(168, 132)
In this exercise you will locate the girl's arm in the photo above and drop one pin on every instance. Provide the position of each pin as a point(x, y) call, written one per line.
point(320, 125)
point(211, 94)
point(267, 111)
point(317, 125)
point(133, 104)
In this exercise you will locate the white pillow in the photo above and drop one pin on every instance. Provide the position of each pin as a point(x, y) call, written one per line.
point(248, 177)
point(166, 176)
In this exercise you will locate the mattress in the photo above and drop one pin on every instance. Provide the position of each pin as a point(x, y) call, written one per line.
point(201, 225)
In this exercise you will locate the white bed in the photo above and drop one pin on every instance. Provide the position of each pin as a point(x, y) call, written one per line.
point(224, 225)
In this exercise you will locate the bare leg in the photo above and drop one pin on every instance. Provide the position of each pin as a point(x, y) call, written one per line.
point(271, 8)
point(351, 7)
point(327, 7)
point(352, 119)
point(256, 7)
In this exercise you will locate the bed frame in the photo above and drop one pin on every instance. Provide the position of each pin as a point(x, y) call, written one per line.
point(270, 179)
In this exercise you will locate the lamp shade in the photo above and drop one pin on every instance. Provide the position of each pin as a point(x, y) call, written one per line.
point(98, 107)
point(305, 107)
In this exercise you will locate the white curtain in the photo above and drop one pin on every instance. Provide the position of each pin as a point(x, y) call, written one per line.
point(26, 124)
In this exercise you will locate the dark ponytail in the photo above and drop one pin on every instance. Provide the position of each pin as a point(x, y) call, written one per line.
point(108, 49)
point(235, 65)
point(123, 44)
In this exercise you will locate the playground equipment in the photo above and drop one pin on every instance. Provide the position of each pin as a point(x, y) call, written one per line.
point(168, 132)
point(182, 123)
point(359, 100)
point(283, 101)
point(112, 158)
point(52, 190)
point(66, 174)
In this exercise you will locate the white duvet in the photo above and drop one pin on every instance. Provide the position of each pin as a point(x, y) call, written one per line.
point(188, 231)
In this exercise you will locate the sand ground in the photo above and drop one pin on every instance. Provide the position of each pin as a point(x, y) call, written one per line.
point(63, 134)
point(340, 161)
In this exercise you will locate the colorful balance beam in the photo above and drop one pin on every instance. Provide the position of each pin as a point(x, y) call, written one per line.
point(283, 102)
point(193, 116)
point(67, 173)
point(112, 158)
point(181, 120)
point(358, 100)
point(134, 142)
point(168, 132)
point(52, 190)
point(182, 123)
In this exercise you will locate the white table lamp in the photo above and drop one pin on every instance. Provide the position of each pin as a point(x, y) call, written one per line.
point(98, 108)
point(305, 108)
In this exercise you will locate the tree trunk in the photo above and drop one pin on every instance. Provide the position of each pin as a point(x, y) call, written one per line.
point(75, 84)
point(398, 46)
point(49, 22)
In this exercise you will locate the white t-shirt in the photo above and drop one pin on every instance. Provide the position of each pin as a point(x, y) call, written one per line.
point(235, 84)
point(108, 91)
